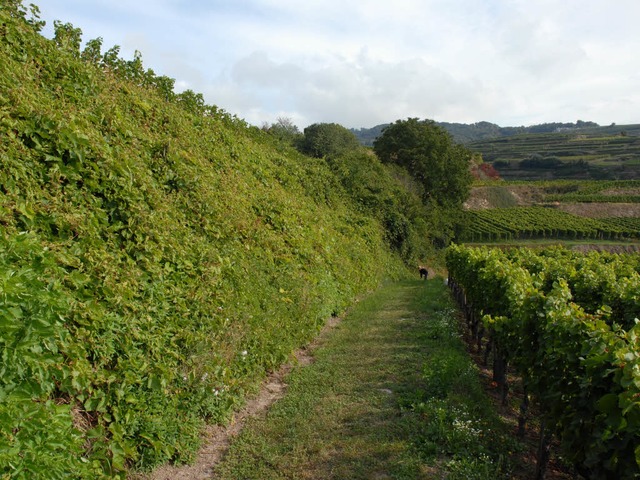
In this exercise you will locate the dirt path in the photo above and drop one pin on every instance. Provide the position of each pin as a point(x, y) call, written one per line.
point(347, 415)
point(370, 361)
point(217, 438)
point(389, 392)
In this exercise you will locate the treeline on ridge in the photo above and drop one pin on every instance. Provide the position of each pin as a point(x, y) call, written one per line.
point(466, 133)
point(426, 172)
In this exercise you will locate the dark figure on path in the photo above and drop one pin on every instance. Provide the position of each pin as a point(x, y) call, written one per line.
point(423, 271)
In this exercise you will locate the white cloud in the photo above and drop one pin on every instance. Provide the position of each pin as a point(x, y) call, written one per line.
point(368, 62)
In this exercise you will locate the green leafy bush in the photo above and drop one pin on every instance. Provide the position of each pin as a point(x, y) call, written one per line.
point(567, 322)
point(38, 438)
point(158, 256)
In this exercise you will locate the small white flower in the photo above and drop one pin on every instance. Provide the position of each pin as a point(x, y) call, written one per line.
point(244, 353)
point(204, 377)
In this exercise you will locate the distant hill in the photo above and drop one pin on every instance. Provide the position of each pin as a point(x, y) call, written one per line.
point(580, 150)
point(366, 136)
point(466, 133)
point(581, 153)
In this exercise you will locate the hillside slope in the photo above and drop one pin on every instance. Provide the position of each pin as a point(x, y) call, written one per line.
point(582, 150)
point(467, 133)
point(594, 153)
point(158, 257)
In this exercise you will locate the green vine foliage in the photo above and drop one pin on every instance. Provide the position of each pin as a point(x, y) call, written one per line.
point(568, 323)
point(158, 256)
point(540, 222)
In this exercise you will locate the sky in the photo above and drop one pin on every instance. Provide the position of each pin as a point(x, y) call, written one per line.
point(367, 62)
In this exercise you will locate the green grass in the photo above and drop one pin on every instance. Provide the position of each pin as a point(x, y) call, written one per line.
point(391, 394)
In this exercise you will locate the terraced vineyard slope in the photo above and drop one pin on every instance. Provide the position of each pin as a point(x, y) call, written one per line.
point(598, 212)
point(590, 153)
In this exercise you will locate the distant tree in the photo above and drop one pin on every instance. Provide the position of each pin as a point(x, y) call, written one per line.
point(537, 161)
point(501, 164)
point(191, 101)
point(16, 9)
point(430, 155)
point(91, 52)
point(284, 129)
point(380, 191)
point(366, 136)
point(111, 58)
point(133, 69)
point(164, 85)
point(327, 140)
point(67, 37)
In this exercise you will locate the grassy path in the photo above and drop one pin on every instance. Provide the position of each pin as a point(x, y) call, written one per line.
point(370, 407)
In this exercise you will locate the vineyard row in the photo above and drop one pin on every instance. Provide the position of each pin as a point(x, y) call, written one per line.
point(542, 222)
point(567, 325)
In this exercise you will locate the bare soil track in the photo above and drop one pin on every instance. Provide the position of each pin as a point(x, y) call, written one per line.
point(217, 438)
